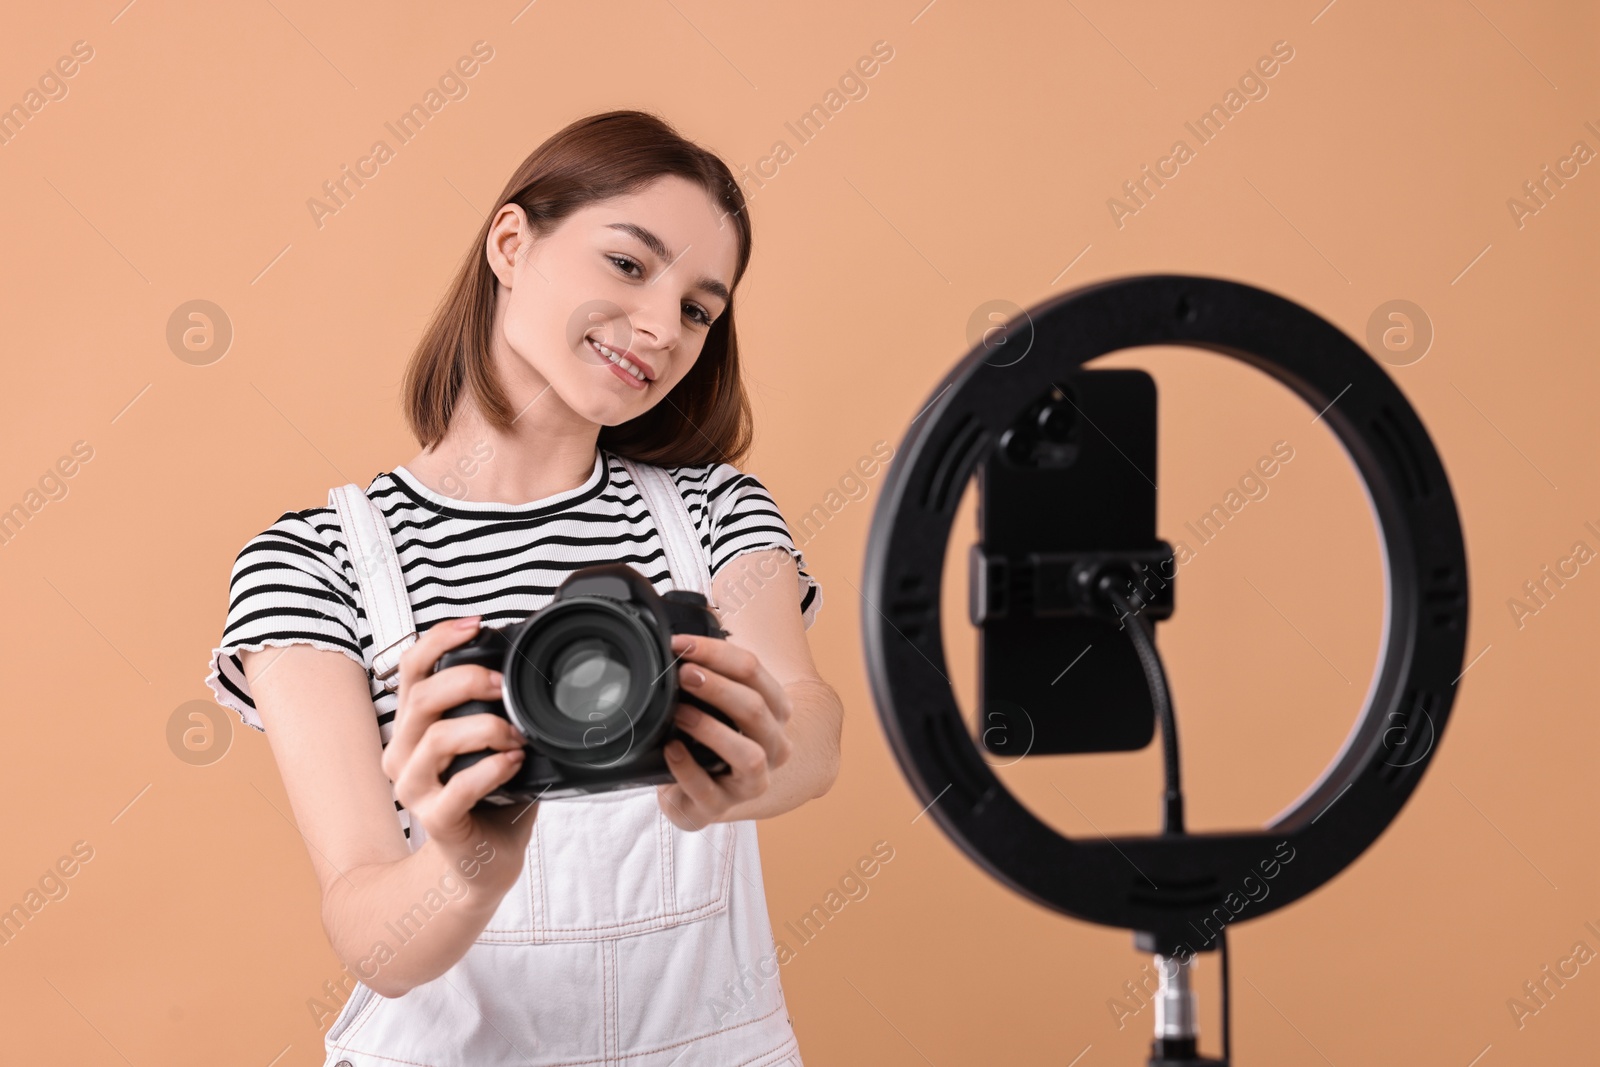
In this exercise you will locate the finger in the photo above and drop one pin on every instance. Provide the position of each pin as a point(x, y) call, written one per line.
point(694, 800)
point(428, 700)
point(416, 664)
point(744, 705)
point(739, 664)
point(450, 738)
point(419, 782)
point(451, 809)
point(436, 694)
point(747, 761)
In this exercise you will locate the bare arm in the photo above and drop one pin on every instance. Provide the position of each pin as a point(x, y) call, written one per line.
point(319, 717)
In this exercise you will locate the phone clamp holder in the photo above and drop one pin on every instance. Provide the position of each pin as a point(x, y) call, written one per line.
point(1067, 584)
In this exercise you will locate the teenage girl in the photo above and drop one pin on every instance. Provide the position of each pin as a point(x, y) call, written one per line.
point(589, 329)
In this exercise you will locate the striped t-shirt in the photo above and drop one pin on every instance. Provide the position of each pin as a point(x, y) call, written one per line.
point(295, 583)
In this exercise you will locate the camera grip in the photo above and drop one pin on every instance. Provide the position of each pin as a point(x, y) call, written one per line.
point(704, 754)
point(487, 649)
point(467, 759)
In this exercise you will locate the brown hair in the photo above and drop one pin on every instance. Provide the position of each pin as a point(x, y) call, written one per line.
point(706, 417)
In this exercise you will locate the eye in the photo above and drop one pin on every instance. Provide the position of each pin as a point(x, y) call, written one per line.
point(703, 318)
point(625, 260)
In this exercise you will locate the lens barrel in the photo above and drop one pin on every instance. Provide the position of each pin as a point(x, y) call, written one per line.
point(581, 681)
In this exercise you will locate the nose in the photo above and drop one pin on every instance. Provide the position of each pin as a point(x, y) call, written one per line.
point(655, 319)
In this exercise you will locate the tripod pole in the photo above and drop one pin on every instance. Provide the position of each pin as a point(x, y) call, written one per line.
point(1177, 1033)
point(1175, 1016)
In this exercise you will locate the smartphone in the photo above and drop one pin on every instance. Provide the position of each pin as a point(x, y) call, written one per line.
point(1075, 474)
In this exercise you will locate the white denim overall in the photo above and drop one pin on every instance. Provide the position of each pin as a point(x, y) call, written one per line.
point(625, 940)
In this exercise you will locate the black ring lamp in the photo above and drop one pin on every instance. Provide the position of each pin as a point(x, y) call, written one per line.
point(1108, 881)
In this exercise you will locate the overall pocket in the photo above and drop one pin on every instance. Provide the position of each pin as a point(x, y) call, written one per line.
point(609, 865)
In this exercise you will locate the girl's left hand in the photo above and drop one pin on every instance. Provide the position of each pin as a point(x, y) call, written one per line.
point(734, 682)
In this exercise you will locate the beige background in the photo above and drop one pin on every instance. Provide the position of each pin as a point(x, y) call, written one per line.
point(977, 167)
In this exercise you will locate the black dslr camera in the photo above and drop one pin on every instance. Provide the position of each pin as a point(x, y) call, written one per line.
point(591, 679)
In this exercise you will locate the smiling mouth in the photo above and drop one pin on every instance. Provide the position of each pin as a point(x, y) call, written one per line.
point(638, 372)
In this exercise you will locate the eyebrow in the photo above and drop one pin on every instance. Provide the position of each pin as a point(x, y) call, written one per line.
point(662, 252)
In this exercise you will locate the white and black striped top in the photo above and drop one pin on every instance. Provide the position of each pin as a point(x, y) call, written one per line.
point(294, 582)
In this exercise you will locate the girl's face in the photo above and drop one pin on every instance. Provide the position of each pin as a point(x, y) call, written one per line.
point(643, 275)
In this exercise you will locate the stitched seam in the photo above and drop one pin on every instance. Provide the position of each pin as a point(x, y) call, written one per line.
point(374, 548)
point(615, 1036)
point(390, 563)
point(789, 1047)
point(788, 1041)
point(337, 498)
point(673, 536)
point(727, 867)
point(605, 1010)
point(682, 528)
point(632, 926)
point(665, 919)
point(697, 546)
point(542, 907)
point(669, 524)
point(670, 508)
point(378, 612)
point(358, 547)
point(374, 611)
point(535, 916)
point(379, 1055)
point(669, 917)
point(667, 897)
point(670, 854)
point(654, 922)
point(367, 1011)
point(662, 921)
point(702, 1037)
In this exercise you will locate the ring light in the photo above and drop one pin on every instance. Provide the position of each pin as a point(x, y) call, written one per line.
point(1109, 880)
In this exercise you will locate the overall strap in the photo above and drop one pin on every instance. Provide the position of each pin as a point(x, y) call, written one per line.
point(379, 580)
point(686, 556)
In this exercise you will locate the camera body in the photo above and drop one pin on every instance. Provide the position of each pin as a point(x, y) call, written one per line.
point(591, 679)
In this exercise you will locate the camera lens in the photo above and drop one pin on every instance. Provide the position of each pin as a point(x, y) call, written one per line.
point(584, 678)
point(1056, 422)
point(1017, 446)
point(589, 680)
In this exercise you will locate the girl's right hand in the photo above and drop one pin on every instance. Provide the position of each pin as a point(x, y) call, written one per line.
point(423, 745)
